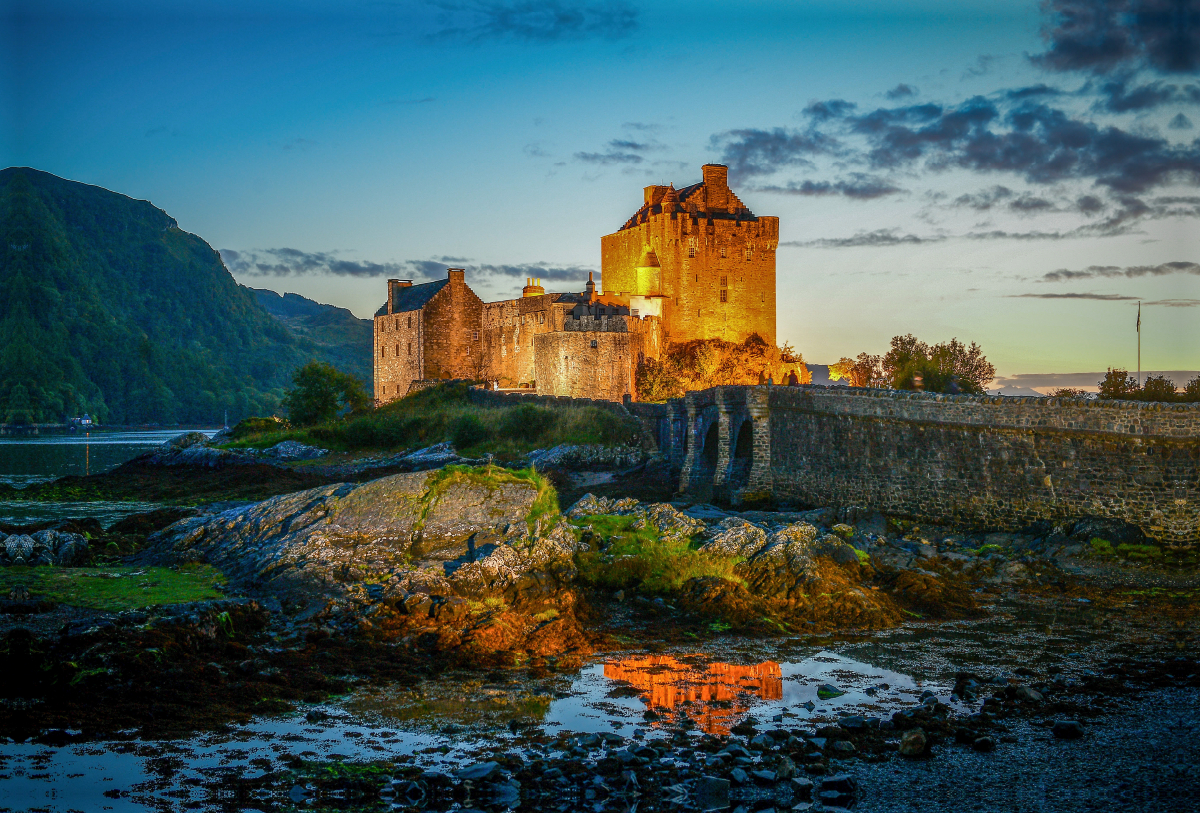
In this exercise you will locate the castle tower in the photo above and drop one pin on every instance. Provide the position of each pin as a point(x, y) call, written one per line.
point(699, 251)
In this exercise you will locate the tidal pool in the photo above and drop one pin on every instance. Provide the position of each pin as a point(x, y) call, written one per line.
point(454, 720)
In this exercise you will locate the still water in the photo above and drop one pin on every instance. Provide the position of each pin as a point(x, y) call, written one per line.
point(25, 461)
point(37, 459)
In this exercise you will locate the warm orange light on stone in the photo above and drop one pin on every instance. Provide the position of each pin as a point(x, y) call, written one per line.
point(666, 682)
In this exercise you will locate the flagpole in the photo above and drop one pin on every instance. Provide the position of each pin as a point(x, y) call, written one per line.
point(1139, 333)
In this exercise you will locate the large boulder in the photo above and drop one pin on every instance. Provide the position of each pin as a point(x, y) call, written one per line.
point(450, 532)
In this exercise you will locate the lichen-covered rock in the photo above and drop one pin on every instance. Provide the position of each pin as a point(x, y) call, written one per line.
point(186, 441)
point(590, 505)
point(294, 450)
point(423, 532)
point(671, 523)
point(735, 536)
point(19, 549)
point(65, 549)
point(587, 457)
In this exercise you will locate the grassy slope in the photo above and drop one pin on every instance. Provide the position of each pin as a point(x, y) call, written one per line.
point(444, 413)
point(113, 589)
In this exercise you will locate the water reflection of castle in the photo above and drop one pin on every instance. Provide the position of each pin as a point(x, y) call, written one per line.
point(711, 694)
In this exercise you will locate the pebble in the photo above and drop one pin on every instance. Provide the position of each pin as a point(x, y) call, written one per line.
point(1067, 729)
point(913, 743)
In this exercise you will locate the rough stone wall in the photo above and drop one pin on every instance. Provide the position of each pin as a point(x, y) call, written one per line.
point(452, 332)
point(508, 330)
point(729, 244)
point(397, 354)
point(594, 358)
point(979, 461)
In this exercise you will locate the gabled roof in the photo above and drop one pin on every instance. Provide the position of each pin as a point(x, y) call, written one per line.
point(413, 297)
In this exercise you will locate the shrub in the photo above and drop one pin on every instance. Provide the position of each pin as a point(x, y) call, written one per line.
point(320, 392)
point(255, 426)
point(468, 430)
point(1118, 384)
point(527, 423)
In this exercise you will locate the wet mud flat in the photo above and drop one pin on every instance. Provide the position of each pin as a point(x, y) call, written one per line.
point(1044, 704)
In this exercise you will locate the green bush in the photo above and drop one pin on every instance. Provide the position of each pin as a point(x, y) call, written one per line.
point(256, 426)
point(527, 423)
point(467, 431)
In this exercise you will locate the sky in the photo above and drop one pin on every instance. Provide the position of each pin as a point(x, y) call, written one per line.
point(1017, 174)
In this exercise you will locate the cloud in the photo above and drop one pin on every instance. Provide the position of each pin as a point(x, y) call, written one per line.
point(620, 151)
point(829, 109)
point(424, 100)
point(1100, 297)
point(1102, 36)
point(1175, 303)
point(761, 152)
point(1129, 272)
point(538, 21)
point(610, 157)
point(857, 187)
point(1119, 98)
point(879, 237)
point(284, 262)
point(901, 91)
point(1043, 144)
point(1180, 122)
point(1016, 94)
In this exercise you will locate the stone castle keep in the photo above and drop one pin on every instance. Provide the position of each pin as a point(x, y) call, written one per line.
point(693, 263)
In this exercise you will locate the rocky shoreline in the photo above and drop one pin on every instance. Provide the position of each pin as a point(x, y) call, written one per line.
point(396, 579)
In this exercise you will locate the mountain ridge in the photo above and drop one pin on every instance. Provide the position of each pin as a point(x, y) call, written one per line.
point(111, 308)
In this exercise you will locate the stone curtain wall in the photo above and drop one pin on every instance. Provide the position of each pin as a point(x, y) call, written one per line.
point(980, 461)
point(594, 357)
point(508, 330)
point(397, 354)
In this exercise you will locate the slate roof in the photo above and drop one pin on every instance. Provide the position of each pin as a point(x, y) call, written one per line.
point(414, 297)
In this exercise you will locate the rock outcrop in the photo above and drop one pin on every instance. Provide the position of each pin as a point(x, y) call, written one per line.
point(43, 548)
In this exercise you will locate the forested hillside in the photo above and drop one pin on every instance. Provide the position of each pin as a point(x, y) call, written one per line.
point(108, 307)
point(346, 340)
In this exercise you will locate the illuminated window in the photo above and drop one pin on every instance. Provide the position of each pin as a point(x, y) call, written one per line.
point(749, 253)
point(724, 295)
point(468, 349)
point(691, 246)
point(724, 282)
point(722, 252)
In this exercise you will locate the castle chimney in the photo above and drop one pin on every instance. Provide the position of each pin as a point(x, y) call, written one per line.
point(392, 285)
point(589, 290)
point(456, 275)
point(533, 287)
point(716, 176)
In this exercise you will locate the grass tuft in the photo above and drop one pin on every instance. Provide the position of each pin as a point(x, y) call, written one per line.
point(113, 589)
point(639, 558)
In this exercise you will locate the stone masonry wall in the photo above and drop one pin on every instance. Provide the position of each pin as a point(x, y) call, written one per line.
point(979, 461)
point(397, 354)
point(452, 331)
point(508, 330)
point(594, 358)
point(711, 240)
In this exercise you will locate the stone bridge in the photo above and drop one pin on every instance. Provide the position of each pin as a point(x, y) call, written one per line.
point(981, 461)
